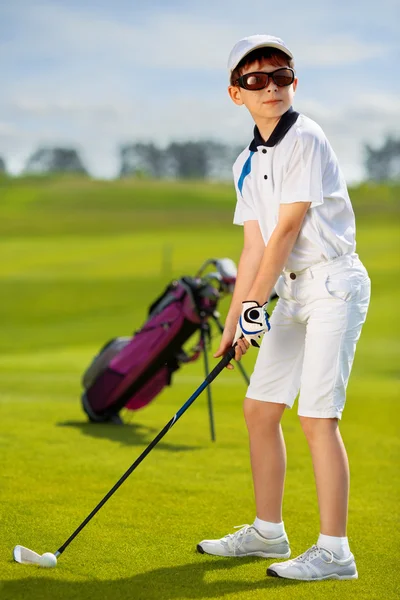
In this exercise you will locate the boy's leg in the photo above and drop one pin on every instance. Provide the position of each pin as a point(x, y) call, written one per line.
point(273, 386)
point(331, 470)
point(335, 308)
point(266, 537)
point(267, 456)
point(330, 558)
point(333, 329)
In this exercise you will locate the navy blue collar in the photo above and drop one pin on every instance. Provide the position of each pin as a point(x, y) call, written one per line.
point(287, 120)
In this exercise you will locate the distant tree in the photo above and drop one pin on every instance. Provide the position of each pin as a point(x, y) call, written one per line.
point(383, 164)
point(188, 160)
point(180, 160)
point(2, 165)
point(55, 160)
point(220, 160)
point(142, 159)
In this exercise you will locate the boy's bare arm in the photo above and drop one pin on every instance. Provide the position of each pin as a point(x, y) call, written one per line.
point(249, 264)
point(277, 251)
point(260, 266)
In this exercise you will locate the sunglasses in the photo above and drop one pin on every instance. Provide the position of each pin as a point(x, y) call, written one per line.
point(260, 80)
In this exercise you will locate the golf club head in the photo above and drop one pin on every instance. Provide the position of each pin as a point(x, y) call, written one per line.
point(228, 271)
point(24, 556)
point(227, 267)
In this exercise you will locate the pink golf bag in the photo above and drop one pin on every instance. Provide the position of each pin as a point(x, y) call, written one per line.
point(131, 371)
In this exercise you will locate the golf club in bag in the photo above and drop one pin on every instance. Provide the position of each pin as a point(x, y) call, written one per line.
point(24, 555)
point(129, 372)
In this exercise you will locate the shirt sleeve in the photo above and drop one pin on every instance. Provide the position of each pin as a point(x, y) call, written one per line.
point(244, 210)
point(302, 181)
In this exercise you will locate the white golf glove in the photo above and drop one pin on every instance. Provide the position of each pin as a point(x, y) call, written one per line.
point(253, 323)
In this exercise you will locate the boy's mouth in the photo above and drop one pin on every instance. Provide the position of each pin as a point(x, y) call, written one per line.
point(272, 101)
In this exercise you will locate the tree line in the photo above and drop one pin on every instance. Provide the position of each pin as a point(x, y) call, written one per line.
point(191, 160)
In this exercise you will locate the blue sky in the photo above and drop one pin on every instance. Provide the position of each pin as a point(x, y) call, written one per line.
point(95, 73)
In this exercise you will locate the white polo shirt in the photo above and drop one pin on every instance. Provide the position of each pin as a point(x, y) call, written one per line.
point(296, 164)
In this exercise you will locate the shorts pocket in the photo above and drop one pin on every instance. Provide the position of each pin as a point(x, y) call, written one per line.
point(339, 288)
point(282, 289)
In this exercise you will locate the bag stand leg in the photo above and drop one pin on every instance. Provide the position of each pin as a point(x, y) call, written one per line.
point(239, 364)
point(205, 331)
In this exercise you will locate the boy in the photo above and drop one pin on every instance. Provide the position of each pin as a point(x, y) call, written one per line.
point(299, 235)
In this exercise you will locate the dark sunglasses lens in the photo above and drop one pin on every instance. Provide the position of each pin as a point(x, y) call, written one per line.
point(255, 81)
point(283, 77)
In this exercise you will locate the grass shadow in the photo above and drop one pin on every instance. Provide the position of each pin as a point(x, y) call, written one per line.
point(130, 434)
point(188, 581)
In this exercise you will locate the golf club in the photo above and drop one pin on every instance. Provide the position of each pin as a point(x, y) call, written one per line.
point(26, 556)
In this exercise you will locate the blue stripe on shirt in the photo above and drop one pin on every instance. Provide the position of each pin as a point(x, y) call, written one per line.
point(245, 171)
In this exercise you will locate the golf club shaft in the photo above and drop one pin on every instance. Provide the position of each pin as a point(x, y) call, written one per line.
point(217, 369)
point(204, 332)
point(239, 364)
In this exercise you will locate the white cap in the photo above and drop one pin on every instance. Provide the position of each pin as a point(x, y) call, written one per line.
point(248, 44)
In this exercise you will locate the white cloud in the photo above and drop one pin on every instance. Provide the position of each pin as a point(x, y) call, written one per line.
point(338, 50)
point(7, 129)
point(177, 40)
point(164, 40)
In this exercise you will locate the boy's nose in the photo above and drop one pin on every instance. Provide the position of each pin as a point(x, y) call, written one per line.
point(271, 87)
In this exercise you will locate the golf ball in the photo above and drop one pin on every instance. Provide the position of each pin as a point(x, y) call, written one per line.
point(47, 560)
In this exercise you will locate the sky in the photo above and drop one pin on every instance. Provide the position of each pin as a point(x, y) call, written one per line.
point(95, 74)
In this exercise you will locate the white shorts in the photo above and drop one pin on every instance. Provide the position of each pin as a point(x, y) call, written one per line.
point(315, 327)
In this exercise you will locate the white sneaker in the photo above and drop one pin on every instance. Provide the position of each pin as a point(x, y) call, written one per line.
point(248, 541)
point(315, 564)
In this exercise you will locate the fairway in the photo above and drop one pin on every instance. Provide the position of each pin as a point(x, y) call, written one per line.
point(81, 262)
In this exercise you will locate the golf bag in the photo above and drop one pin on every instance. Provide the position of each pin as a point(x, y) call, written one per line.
point(131, 371)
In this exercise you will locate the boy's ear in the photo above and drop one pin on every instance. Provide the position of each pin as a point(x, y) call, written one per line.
point(235, 94)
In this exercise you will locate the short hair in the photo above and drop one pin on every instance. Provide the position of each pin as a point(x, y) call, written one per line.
point(273, 55)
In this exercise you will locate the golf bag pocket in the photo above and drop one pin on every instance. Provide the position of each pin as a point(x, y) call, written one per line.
point(102, 360)
point(137, 363)
point(150, 389)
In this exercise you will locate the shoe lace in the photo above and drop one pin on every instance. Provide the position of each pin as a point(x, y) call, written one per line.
point(314, 552)
point(235, 540)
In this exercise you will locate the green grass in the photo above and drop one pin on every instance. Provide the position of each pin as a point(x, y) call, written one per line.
point(81, 261)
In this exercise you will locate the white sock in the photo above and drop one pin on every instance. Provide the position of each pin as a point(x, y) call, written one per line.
point(268, 529)
point(338, 545)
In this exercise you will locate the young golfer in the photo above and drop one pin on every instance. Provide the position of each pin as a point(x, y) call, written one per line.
point(299, 236)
